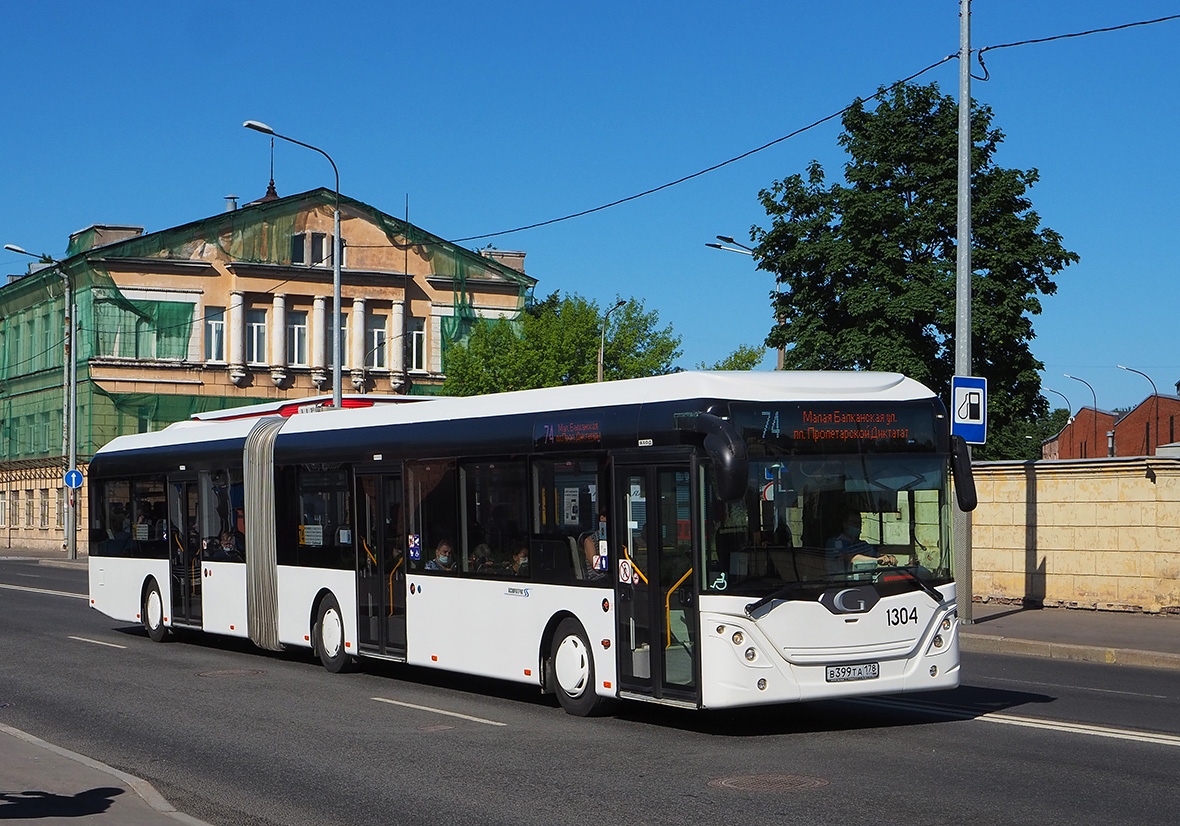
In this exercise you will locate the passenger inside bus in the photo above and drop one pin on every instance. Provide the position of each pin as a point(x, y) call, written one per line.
point(444, 558)
point(519, 566)
point(846, 550)
point(589, 544)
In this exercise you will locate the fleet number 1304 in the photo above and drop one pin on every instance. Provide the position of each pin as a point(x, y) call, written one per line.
point(901, 616)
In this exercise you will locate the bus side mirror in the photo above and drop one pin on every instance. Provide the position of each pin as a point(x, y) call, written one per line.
point(961, 471)
point(723, 443)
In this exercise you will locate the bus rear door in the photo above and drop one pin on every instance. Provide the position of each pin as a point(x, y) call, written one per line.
point(655, 587)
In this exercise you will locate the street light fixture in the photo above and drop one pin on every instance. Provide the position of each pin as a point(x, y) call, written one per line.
point(1155, 396)
point(69, 405)
point(1095, 395)
point(602, 340)
point(258, 126)
point(742, 249)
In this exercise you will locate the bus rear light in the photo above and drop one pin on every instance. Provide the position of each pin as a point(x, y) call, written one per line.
point(606, 644)
point(528, 672)
point(348, 645)
point(231, 628)
point(434, 658)
point(306, 638)
point(606, 684)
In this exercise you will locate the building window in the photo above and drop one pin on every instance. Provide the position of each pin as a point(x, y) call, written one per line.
point(15, 510)
point(3, 509)
point(375, 341)
point(29, 508)
point(215, 334)
point(297, 339)
point(314, 249)
point(61, 509)
point(43, 509)
point(418, 354)
point(256, 336)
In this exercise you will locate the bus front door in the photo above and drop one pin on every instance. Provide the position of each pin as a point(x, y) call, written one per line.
point(656, 608)
point(184, 551)
point(381, 572)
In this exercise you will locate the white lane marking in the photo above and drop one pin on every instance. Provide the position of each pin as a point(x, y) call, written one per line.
point(43, 591)
point(962, 713)
point(439, 711)
point(97, 642)
point(1076, 688)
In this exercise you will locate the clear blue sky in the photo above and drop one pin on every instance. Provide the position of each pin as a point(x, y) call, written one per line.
point(488, 116)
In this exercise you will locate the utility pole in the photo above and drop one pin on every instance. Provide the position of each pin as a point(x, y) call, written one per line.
point(961, 521)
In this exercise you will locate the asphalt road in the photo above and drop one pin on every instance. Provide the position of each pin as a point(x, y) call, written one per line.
point(233, 735)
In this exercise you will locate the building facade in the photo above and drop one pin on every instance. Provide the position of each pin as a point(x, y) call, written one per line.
point(225, 311)
point(1096, 434)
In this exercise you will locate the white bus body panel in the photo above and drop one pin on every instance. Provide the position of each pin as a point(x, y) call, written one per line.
point(494, 628)
point(223, 598)
point(796, 672)
point(116, 585)
point(298, 589)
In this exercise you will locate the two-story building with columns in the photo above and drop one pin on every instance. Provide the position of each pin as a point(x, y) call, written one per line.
point(225, 311)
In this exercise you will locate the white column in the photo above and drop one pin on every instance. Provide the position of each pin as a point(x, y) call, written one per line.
point(235, 331)
point(397, 345)
point(317, 332)
point(356, 343)
point(278, 340)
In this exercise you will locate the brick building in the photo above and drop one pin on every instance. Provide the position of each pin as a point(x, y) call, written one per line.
point(225, 311)
point(1094, 434)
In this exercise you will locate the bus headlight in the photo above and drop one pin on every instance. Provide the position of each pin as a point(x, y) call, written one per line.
point(738, 638)
point(751, 654)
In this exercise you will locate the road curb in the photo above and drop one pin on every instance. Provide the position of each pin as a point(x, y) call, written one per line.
point(141, 787)
point(988, 644)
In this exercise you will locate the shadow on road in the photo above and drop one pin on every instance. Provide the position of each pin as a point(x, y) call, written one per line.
point(30, 805)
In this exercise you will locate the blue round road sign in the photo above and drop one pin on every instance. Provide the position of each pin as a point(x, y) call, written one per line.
point(73, 479)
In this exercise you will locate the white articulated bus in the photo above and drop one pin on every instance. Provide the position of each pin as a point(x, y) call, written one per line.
point(686, 539)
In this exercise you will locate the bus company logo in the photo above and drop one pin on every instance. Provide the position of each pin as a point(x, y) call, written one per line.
point(517, 592)
point(850, 600)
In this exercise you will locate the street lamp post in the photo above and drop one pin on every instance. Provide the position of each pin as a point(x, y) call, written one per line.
point(1095, 395)
point(258, 126)
point(602, 340)
point(742, 249)
point(1068, 405)
point(1155, 396)
point(69, 406)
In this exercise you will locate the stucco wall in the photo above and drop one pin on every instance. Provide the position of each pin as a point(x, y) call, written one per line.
point(1099, 534)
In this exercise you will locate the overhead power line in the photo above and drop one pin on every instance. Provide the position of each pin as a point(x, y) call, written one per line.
point(808, 127)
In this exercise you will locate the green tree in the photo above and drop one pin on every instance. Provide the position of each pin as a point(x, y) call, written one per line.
point(555, 341)
point(745, 357)
point(868, 266)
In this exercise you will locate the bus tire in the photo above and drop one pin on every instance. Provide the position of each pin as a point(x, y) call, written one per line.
point(153, 613)
point(572, 666)
point(329, 635)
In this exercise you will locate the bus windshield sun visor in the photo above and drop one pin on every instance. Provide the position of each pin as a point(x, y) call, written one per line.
point(725, 447)
point(961, 470)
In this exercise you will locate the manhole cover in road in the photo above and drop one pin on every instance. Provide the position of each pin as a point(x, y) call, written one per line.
point(768, 783)
point(232, 672)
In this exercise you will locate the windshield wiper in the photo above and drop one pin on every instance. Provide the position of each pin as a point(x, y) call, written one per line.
point(781, 593)
point(934, 593)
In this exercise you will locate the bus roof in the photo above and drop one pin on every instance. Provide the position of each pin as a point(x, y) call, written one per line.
point(752, 386)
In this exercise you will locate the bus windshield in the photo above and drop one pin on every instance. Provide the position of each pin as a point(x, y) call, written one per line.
point(826, 519)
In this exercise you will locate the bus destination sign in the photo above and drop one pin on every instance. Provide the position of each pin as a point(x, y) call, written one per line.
point(566, 433)
point(813, 428)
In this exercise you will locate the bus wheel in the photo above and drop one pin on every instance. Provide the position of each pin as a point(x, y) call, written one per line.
point(153, 613)
point(573, 671)
point(329, 635)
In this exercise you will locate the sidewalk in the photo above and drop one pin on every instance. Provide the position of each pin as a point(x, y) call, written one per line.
point(42, 783)
point(1148, 640)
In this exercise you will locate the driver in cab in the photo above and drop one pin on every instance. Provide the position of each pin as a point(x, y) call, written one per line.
point(846, 549)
